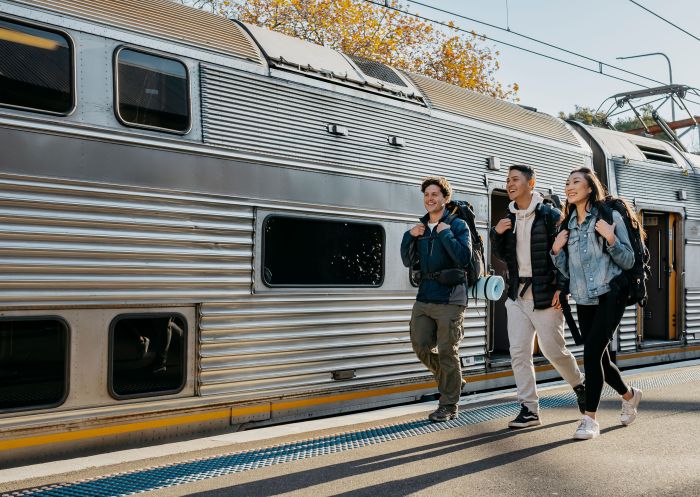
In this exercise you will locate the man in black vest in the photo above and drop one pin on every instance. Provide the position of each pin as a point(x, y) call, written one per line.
point(523, 240)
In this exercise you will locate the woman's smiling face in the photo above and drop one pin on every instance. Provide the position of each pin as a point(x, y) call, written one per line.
point(577, 189)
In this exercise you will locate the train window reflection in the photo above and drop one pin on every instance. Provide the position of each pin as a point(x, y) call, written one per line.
point(36, 69)
point(33, 362)
point(147, 354)
point(152, 91)
point(314, 252)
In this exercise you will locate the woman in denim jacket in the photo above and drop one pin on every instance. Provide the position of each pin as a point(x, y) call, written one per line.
point(597, 253)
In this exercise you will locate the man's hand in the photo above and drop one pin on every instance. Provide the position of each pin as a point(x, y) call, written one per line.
point(555, 301)
point(503, 225)
point(417, 230)
point(442, 227)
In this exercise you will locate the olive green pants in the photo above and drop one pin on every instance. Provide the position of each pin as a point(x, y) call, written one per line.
point(441, 326)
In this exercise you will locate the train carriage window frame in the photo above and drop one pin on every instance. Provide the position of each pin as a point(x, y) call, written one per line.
point(263, 254)
point(70, 42)
point(182, 356)
point(159, 55)
point(66, 361)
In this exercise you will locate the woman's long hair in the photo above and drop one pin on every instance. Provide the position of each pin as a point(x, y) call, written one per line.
point(600, 195)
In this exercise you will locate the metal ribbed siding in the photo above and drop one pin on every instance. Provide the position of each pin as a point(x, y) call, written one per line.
point(470, 104)
point(627, 333)
point(658, 184)
point(259, 114)
point(70, 244)
point(692, 313)
point(290, 344)
point(163, 19)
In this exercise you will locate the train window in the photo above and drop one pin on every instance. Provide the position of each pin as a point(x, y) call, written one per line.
point(314, 252)
point(33, 362)
point(147, 354)
point(152, 91)
point(36, 68)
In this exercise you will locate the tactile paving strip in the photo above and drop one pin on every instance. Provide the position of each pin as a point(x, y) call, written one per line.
point(145, 480)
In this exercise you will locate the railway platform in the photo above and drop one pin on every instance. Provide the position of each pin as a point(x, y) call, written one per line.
point(398, 452)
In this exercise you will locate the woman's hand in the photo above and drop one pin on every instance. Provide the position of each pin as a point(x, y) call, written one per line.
point(560, 241)
point(606, 230)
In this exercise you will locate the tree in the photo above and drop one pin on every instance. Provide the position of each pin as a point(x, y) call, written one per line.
point(591, 117)
point(381, 34)
point(586, 115)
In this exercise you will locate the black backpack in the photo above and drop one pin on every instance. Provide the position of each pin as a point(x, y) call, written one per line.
point(477, 265)
point(635, 278)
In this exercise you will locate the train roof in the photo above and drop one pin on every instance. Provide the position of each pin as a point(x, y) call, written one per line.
point(163, 19)
point(467, 103)
point(638, 148)
point(181, 24)
point(291, 53)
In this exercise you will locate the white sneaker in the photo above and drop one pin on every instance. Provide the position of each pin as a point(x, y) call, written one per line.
point(587, 429)
point(629, 407)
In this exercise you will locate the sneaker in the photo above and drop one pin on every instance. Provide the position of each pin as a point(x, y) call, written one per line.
point(629, 407)
point(525, 418)
point(587, 429)
point(580, 392)
point(444, 413)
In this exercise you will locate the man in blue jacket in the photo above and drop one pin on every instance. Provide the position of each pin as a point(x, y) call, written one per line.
point(443, 250)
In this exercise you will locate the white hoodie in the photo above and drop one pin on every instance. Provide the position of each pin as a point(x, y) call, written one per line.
point(522, 230)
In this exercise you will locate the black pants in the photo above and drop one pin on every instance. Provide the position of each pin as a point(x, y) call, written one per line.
point(597, 324)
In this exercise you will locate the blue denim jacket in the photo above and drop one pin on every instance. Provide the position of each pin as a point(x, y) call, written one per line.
point(592, 264)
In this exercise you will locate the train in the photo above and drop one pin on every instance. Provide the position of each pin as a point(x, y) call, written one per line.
point(200, 225)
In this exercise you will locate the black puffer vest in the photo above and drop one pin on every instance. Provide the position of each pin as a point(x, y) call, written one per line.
point(544, 274)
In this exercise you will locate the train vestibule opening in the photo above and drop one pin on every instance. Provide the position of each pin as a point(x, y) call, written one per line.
point(658, 320)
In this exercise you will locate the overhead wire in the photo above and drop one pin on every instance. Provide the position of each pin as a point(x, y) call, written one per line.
point(386, 5)
point(530, 38)
point(665, 20)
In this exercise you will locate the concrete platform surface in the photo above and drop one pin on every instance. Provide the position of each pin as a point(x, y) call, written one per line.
point(396, 452)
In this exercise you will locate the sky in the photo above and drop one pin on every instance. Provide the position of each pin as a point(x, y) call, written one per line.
point(599, 29)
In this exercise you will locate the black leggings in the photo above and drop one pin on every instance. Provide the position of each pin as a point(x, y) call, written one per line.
point(597, 324)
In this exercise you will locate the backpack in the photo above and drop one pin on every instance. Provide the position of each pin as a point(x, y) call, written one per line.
point(477, 264)
point(637, 276)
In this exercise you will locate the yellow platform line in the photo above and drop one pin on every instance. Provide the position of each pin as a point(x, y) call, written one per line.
point(106, 431)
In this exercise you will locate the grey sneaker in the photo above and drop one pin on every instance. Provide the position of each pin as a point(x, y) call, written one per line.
point(580, 391)
point(444, 413)
point(525, 418)
point(629, 407)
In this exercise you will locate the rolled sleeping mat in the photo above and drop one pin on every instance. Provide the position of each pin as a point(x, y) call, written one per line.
point(488, 287)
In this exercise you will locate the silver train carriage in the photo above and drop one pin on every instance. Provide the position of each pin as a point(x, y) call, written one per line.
point(201, 224)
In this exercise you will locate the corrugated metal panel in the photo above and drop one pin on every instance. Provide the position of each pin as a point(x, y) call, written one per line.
point(658, 184)
point(163, 19)
point(290, 344)
point(627, 333)
point(69, 244)
point(251, 113)
point(470, 104)
point(692, 313)
point(576, 350)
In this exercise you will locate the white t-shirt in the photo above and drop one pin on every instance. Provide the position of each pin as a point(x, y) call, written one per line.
point(431, 226)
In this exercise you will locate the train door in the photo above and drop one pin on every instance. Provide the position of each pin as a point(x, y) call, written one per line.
point(659, 316)
point(498, 329)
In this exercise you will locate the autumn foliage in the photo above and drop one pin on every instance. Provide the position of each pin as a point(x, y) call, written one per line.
point(361, 28)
